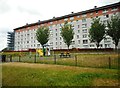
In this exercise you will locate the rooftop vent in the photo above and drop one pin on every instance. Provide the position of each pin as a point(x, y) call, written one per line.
point(26, 23)
point(72, 12)
point(54, 17)
point(95, 6)
point(39, 21)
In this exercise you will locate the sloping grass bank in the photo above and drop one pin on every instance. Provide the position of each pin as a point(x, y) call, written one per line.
point(30, 74)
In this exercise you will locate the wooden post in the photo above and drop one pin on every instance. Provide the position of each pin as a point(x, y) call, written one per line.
point(109, 62)
point(35, 59)
point(75, 60)
point(54, 59)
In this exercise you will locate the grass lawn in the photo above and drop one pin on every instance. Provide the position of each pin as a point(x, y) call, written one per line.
point(30, 74)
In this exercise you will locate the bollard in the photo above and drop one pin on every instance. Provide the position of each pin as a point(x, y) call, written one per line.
point(54, 59)
point(75, 60)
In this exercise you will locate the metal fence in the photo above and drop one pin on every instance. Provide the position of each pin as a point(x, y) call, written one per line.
point(81, 60)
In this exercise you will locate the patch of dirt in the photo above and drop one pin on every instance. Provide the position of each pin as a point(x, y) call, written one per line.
point(105, 82)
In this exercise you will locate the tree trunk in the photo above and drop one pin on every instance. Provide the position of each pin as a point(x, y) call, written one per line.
point(43, 51)
point(68, 48)
point(97, 45)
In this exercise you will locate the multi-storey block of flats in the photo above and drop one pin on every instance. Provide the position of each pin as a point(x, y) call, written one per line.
point(25, 36)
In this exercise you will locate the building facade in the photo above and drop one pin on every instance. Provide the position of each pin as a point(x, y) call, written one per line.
point(25, 36)
point(10, 40)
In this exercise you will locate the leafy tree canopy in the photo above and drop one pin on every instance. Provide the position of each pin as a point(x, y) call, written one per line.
point(97, 31)
point(42, 35)
point(114, 29)
point(67, 33)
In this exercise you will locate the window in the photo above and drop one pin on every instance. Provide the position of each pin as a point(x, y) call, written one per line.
point(84, 25)
point(96, 12)
point(56, 34)
point(21, 35)
point(60, 43)
point(86, 46)
point(78, 31)
point(91, 45)
point(27, 41)
point(96, 16)
point(72, 18)
point(27, 46)
point(85, 41)
point(105, 11)
point(83, 20)
point(78, 16)
point(66, 19)
point(38, 45)
point(114, 9)
point(84, 15)
point(60, 38)
point(56, 38)
point(77, 36)
point(107, 16)
point(56, 29)
point(91, 13)
point(51, 43)
point(73, 42)
point(85, 36)
point(78, 26)
point(27, 35)
point(101, 45)
point(84, 30)
point(51, 22)
point(78, 41)
point(56, 43)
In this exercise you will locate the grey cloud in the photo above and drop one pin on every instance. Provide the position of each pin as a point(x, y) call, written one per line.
point(29, 11)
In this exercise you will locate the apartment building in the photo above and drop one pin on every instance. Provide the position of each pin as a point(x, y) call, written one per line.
point(25, 36)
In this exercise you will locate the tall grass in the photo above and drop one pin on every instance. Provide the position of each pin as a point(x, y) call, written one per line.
point(28, 74)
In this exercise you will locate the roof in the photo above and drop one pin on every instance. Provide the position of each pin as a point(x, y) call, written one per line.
point(70, 15)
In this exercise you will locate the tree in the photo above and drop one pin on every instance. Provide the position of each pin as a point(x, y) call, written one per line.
point(97, 31)
point(114, 29)
point(42, 36)
point(67, 33)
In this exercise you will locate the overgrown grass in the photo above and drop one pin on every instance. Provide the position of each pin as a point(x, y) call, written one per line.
point(28, 74)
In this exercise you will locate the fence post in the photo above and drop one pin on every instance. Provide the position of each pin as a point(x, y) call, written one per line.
point(54, 59)
point(75, 60)
point(35, 59)
point(10, 58)
point(109, 62)
point(19, 58)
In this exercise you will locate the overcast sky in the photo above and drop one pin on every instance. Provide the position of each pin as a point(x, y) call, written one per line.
point(16, 13)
